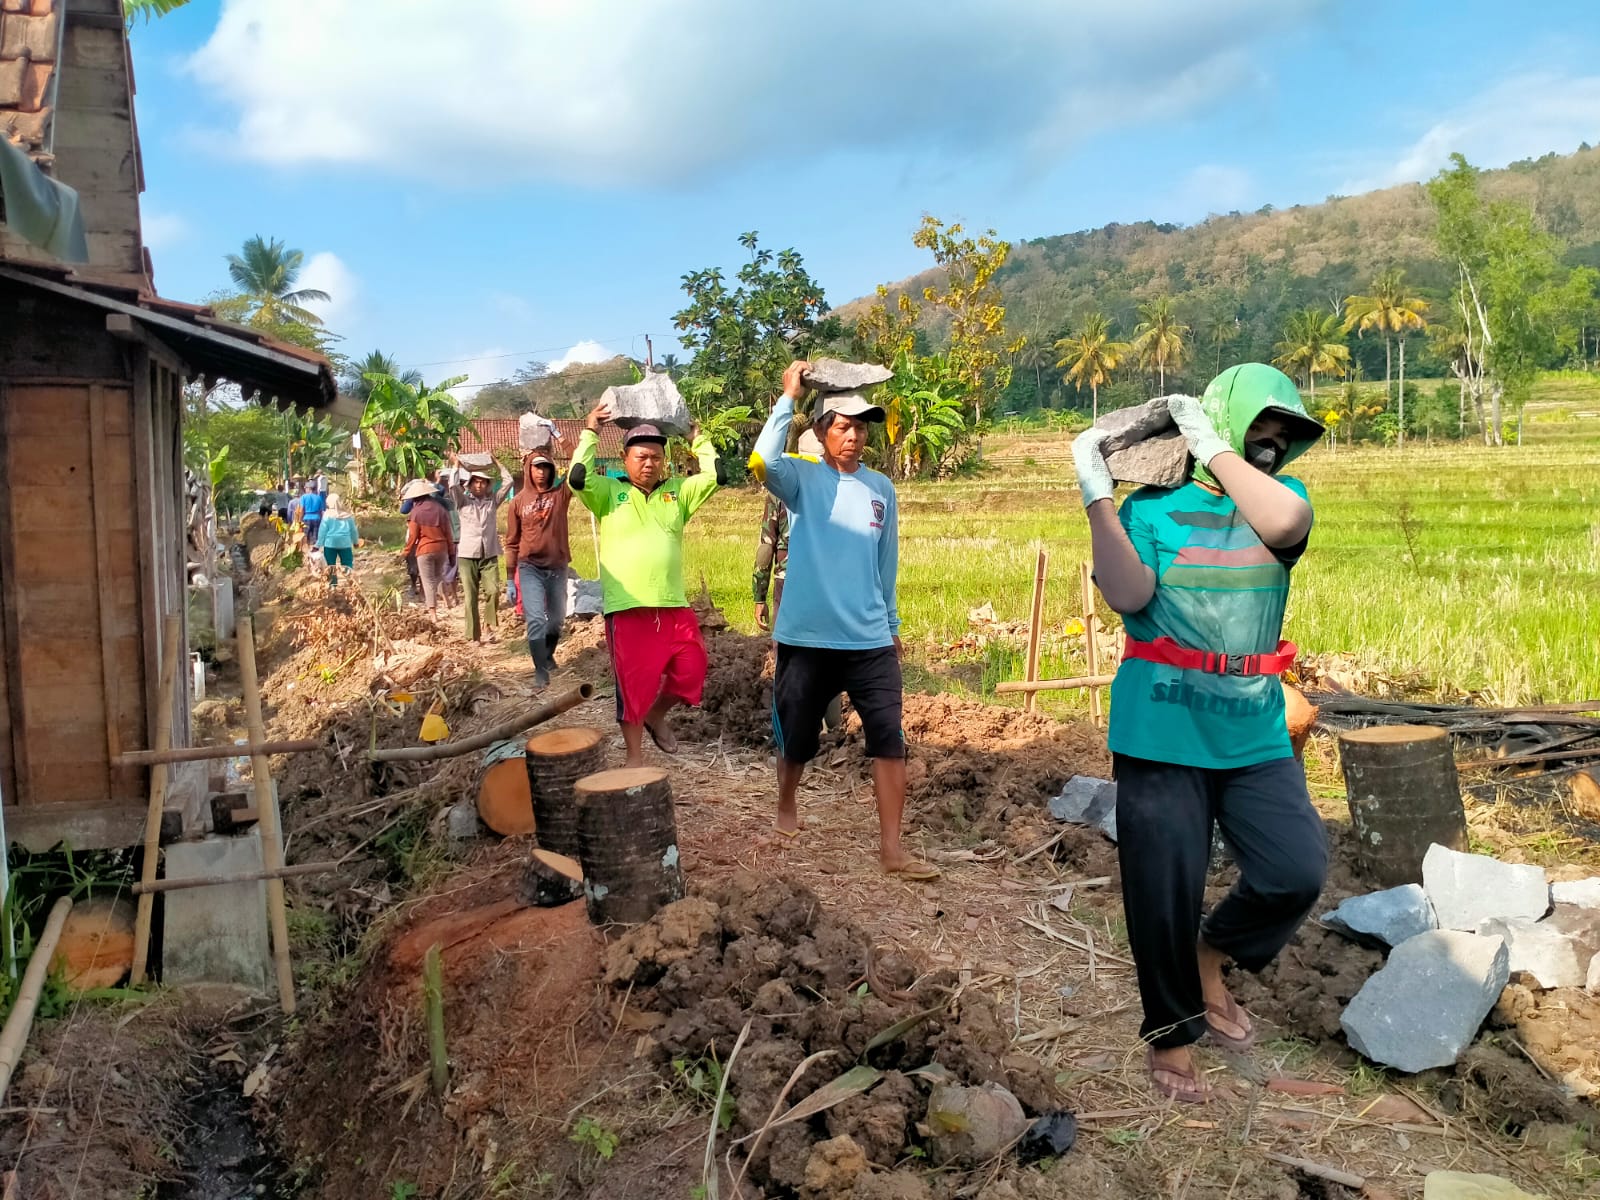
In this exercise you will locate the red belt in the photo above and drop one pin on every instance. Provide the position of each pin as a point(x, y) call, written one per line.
point(1167, 652)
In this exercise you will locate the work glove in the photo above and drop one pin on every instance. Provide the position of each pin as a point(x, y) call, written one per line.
point(1196, 428)
point(1089, 457)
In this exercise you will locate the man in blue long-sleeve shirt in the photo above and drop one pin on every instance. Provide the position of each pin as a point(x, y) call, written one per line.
point(838, 628)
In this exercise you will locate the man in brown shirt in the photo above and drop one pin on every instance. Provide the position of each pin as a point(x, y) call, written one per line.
point(537, 555)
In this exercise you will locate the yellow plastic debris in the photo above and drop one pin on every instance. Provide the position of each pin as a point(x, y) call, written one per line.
point(401, 697)
point(1459, 1185)
point(434, 729)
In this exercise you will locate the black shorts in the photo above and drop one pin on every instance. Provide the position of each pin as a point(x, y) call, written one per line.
point(807, 678)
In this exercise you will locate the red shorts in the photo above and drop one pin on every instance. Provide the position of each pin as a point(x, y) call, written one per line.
point(655, 652)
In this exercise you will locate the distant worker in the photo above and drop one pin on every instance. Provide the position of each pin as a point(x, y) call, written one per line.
point(337, 538)
point(654, 637)
point(428, 537)
point(838, 628)
point(478, 548)
point(1200, 573)
point(538, 552)
point(311, 506)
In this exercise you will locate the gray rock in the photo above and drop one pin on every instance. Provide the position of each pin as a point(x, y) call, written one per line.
point(1389, 917)
point(1425, 1006)
point(1585, 893)
point(461, 823)
point(654, 400)
point(832, 375)
point(1469, 889)
point(533, 432)
point(1145, 446)
point(971, 1125)
point(1592, 986)
point(585, 597)
point(1540, 949)
point(1086, 800)
point(1580, 924)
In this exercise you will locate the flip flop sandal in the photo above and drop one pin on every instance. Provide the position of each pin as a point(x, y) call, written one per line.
point(1195, 1092)
point(650, 729)
point(1234, 1015)
point(791, 834)
point(917, 872)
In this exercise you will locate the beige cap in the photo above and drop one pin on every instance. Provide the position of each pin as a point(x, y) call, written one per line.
point(852, 404)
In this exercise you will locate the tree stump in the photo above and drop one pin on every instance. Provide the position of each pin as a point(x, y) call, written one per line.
point(554, 762)
point(628, 844)
point(550, 880)
point(1404, 796)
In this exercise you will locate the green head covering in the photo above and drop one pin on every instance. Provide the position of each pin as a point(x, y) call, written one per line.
point(1241, 394)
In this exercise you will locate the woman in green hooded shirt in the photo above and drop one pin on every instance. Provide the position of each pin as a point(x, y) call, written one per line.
point(1200, 573)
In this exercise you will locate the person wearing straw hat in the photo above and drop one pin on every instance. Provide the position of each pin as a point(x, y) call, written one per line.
point(1201, 575)
point(838, 628)
point(538, 552)
point(337, 538)
point(428, 537)
point(657, 653)
point(478, 547)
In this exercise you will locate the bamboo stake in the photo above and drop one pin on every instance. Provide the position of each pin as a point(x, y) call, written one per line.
point(171, 628)
point(145, 758)
point(197, 881)
point(433, 1005)
point(1030, 699)
point(1090, 642)
point(479, 741)
point(267, 807)
point(1054, 685)
point(15, 1034)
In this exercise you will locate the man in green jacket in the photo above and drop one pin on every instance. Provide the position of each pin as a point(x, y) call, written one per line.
point(654, 638)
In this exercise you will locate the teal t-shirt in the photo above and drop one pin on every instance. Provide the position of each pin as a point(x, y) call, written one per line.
point(1218, 588)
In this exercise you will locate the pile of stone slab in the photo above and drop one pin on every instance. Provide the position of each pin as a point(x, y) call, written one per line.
point(1455, 942)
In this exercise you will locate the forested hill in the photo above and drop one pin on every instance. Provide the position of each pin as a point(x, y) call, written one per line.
point(1237, 277)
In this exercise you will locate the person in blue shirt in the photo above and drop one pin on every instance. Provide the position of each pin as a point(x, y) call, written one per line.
point(838, 629)
point(312, 503)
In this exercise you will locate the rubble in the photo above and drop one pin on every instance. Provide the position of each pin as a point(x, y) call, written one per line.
point(832, 375)
point(971, 1125)
point(1086, 800)
point(1585, 893)
point(654, 400)
point(1424, 1007)
point(1468, 889)
point(1145, 446)
point(1389, 917)
point(1541, 950)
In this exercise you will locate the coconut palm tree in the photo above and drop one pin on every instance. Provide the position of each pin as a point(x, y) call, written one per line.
point(1090, 355)
point(1311, 344)
point(265, 275)
point(149, 8)
point(1389, 311)
point(1158, 340)
point(355, 383)
point(1035, 355)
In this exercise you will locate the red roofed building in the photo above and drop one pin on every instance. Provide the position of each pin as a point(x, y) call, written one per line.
point(498, 435)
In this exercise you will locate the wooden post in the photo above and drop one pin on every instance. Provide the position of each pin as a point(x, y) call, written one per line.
point(158, 800)
point(628, 844)
point(1090, 642)
point(1404, 796)
point(267, 808)
point(433, 1004)
point(482, 741)
point(555, 761)
point(1039, 570)
point(1053, 685)
point(198, 881)
point(20, 1021)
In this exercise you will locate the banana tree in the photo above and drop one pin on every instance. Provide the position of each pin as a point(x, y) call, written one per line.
point(409, 428)
point(926, 416)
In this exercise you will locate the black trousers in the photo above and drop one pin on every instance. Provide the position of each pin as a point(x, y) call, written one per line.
point(1165, 815)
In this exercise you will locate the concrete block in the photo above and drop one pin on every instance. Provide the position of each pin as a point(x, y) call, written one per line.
point(654, 400)
point(1424, 1007)
point(1541, 950)
point(1386, 918)
point(1086, 800)
point(217, 934)
point(1585, 893)
point(1145, 446)
point(1469, 889)
point(832, 375)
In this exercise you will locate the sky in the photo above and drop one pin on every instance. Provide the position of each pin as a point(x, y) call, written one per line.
point(480, 183)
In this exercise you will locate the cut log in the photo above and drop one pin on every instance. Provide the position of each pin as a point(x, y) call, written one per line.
point(1300, 715)
point(407, 952)
point(1583, 792)
point(504, 804)
point(1404, 796)
point(554, 762)
point(628, 844)
point(550, 880)
point(96, 946)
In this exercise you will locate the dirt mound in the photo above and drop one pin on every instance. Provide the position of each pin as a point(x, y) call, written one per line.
point(766, 952)
point(737, 703)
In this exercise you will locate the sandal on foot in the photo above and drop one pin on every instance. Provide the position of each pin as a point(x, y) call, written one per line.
point(791, 834)
point(656, 738)
point(1192, 1090)
point(1234, 1014)
point(917, 872)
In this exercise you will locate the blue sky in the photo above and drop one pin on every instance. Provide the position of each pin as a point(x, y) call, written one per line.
point(487, 181)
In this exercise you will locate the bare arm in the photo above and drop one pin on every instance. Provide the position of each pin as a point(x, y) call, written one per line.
point(1123, 579)
point(1279, 517)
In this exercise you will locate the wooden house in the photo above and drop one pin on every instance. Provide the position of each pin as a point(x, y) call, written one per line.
point(93, 514)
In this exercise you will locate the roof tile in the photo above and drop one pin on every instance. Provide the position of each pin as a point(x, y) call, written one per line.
point(34, 38)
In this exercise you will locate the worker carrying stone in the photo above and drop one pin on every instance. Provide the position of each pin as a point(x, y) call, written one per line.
point(838, 628)
point(538, 552)
point(1200, 573)
point(657, 653)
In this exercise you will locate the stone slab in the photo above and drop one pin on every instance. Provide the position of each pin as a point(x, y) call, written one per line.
point(1086, 800)
point(533, 432)
point(1145, 446)
point(585, 598)
point(1541, 950)
point(1424, 1007)
point(654, 400)
point(834, 375)
point(216, 934)
point(1592, 986)
point(1469, 889)
point(1585, 893)
point(1385, 918)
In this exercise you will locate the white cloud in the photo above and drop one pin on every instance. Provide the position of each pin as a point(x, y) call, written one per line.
point(1522, 116)
point(629, 91)
point(583, 352)
point(1214, 188)
point(162, 230)
point(326, 272)
point(481, 367)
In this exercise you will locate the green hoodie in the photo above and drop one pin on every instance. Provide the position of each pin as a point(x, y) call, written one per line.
point(1241, 394)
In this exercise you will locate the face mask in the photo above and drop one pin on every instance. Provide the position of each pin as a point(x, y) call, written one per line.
point(1264, 455)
